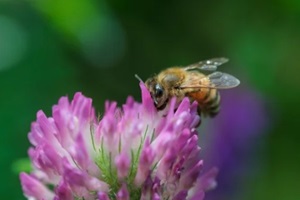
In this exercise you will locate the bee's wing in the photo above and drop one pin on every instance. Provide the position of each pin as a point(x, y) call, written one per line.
point(209, 65)
point(222, 80)
point(218, 80)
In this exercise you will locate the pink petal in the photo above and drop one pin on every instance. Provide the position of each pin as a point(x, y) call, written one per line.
point(208, 180)
point(145, 163)
point(34, 188)
point(181, 195)
point(102, 196)
point(199, 195)
point(147, 101)
point(122, 163)
point(123, 193)
point(63, 191)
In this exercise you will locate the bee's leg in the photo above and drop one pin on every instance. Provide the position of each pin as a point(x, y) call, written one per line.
point(200, 114)
point(199, 123)
point(163, 106)
point(199, 110)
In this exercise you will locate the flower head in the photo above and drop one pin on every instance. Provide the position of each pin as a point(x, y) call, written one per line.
point(133, 152)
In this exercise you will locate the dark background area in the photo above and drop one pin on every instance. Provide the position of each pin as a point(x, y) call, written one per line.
point(53, 48)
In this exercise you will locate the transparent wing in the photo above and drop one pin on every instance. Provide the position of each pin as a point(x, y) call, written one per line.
point(222, 80)
point(218, 80)
point(209, 65)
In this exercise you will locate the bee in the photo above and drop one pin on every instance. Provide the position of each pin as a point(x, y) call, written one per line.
point(189, 82)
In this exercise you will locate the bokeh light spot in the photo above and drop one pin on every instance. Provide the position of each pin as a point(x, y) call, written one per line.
point(13, 42)
point(103, 41)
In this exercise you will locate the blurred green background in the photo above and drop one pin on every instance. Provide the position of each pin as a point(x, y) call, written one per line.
point(51, 48)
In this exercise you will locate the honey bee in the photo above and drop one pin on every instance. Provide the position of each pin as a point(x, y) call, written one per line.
point(189, 82)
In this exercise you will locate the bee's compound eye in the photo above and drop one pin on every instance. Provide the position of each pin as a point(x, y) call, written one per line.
point(158, 91)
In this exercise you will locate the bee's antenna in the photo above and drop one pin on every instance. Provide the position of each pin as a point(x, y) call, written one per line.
point(138, 78)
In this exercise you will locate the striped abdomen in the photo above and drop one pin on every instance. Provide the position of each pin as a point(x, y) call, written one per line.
point(208, 101)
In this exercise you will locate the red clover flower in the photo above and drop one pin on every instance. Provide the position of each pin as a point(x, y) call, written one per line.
point(133, 152)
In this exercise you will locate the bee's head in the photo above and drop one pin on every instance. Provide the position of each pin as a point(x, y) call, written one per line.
point(158, 93)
